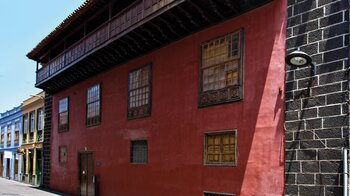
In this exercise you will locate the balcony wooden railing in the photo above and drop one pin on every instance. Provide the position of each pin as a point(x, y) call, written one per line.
point(114, 27)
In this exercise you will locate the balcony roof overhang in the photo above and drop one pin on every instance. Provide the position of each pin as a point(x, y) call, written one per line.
point(181, 18)
point(83, 12)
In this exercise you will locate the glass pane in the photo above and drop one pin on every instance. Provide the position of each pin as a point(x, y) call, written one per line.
point(228, 158)
point(63, 105)
point(93, 93)
point(220, 62)
point(63, 118)
point(220, 50)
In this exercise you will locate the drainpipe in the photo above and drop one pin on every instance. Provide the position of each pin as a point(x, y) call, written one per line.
point(345, 171)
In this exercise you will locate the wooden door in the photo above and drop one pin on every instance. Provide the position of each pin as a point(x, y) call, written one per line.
point(38, 166)
point(30, 166)
point(16, 169)
point(8, 168)
point(86, 174)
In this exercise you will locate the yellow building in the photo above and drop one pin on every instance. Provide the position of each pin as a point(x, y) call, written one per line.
point(33, 136)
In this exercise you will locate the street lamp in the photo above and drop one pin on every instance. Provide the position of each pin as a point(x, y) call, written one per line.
point(300, 59)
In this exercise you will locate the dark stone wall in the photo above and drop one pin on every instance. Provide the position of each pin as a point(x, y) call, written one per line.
point(316, 117)
point(47, 142)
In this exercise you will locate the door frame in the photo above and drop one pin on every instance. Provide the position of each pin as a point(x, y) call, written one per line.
point(79, 166)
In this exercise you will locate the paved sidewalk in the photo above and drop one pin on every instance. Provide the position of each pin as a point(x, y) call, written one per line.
point(13, 188)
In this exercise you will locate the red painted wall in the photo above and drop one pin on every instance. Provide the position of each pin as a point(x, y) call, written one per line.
point(175, 131)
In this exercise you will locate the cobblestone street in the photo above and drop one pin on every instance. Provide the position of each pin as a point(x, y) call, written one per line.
point(13, 188)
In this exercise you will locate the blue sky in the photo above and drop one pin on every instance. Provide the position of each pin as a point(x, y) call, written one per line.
point(24, 23)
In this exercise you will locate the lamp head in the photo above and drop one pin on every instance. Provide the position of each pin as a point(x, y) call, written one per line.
point(298, 59)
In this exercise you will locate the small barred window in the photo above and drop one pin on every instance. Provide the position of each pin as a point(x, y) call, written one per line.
point(139, 151)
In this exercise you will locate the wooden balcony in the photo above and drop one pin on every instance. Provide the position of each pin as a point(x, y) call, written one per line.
point(142, 27)
point(116, 26)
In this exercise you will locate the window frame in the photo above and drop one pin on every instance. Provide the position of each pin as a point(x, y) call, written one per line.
point(221, 163)
point(63, 127)
point(95, 120)
point(236, 91)
point(132, 152)
point(146, 107)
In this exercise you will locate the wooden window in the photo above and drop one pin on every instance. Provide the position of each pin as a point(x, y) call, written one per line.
point(17, 129)
point(31, 126)
point(93, 108)
point(25, 127)
point(139, 100)
point(62, 154)
point(25, 123)
point(16, 137)
point(63, 114)
point(221, 70)
point(40, 119)
point(32, 121)
point(220, 148)
point(9, 132)
point(217, 194)
point(40, 125)
point(139, 151)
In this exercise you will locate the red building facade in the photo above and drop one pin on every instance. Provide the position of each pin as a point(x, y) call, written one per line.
point(179, 129)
